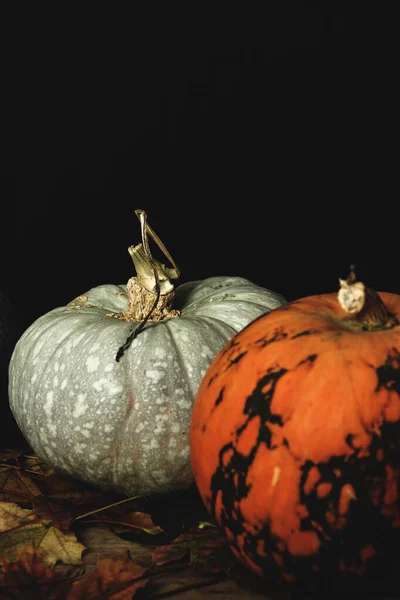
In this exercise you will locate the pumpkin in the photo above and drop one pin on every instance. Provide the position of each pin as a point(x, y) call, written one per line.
point(103, 387)
point(295, 438)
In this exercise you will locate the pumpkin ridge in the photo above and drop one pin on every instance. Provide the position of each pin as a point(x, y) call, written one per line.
point(346, 365)
point(29, 334)
point(118, 440)
point(181, 355)
point(102, 298)
point(201, 318)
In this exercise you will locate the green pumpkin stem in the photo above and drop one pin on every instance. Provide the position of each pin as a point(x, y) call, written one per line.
point(367, 309)
point(150, 293)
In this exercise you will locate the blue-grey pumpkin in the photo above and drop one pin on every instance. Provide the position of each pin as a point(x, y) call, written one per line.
point(120, 420)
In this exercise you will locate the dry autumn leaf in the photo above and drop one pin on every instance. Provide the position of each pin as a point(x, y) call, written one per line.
point(34, 464)
point(168, 553)
point(211, 554)
point(201, 546)
point(15, 485)
point(12, 516)
point(55, 511)
point(21, 528)
point(144, 522)
point(29, 578)
point(70, 490)
point(115, 578)
point(135, 521)
point(9, 455)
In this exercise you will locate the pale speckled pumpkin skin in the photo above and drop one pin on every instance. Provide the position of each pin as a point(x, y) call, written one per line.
point(124, 425)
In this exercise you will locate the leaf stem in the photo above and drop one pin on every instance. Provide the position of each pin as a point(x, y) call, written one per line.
point(124, 524)
point(92, 512)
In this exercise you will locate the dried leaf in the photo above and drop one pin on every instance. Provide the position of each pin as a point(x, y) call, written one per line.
point(70, 490)
point(9, 455)
point(143, 522)
point(163, 555)
point(24, 578)
point(29, 578)
point(55, 511)
point(15, 485)
point(58, 546)
point(116, 578)
point(179, 549)
point(212, 554)
point(204, 548)
point(37, 465)
point(194, 538)
point(12, 516)
point(21, 529)
point(26, 569)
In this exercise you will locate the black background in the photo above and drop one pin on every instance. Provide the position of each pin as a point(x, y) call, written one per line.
point(256, 136)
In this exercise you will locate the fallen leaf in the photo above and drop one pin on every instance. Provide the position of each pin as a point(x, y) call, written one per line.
point(212, 554)
point(72, 491)
point(115, 578)
point(203, 548)
point(195, 538)
point(139, 521)
point(15, 485)
point(8, 455)
point(20, 528)
point(12, 516)
point(54, 511)
point(167, 553)
point(30, 578)
point(58, 546)
point(36, 465)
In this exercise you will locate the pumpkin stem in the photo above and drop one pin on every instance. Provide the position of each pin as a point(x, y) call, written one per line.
point(364, 304)
point(150, 293)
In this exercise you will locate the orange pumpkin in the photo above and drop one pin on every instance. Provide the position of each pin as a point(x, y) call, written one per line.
point(295, 436)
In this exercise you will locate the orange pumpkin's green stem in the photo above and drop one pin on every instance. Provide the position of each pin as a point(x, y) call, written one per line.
point(368, 311)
